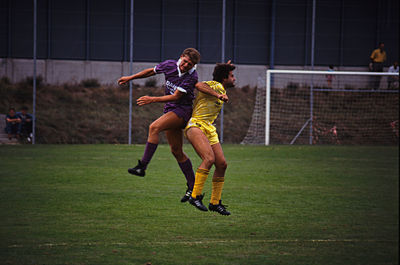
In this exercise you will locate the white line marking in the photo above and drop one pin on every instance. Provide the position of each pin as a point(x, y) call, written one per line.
point(272, 241)
point(211, 242)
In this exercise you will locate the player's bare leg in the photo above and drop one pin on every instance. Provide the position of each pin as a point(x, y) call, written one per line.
point(220, 161)
point(175, 141)
point(218, 181)
point(166, 122)
point(202, 146)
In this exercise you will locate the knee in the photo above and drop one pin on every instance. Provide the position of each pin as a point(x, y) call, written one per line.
point(177, 152)
point(154, 128)
point(222, 165)
point(209, 160)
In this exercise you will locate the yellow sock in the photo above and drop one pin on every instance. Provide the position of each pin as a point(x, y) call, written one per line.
point(200, 179)
point(217, 185)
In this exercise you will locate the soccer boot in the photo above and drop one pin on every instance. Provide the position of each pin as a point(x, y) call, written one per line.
point(139, 170)
point(197, 202)
point(219, 208)
point(187, 195)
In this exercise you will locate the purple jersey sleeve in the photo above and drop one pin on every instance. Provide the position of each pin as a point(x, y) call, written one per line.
point(164, 67)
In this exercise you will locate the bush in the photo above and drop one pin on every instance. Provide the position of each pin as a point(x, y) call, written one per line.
point(152, 82)
point(5, 81)
point(91, 82)
point(4, 86)
point(23, 91)
point(29, 81)
point(69, 113)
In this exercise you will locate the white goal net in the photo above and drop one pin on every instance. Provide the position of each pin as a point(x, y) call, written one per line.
point(323, 107)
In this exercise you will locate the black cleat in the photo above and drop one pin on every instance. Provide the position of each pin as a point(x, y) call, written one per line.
point(197, 202)
point(187, 195)
point(138, 170)
point(219, 208)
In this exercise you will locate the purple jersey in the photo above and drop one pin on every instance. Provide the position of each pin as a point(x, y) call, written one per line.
point(174, 80)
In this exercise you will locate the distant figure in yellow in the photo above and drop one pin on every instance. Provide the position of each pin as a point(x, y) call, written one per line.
point(378, 57)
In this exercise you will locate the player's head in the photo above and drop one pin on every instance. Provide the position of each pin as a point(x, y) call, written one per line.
point(11, 111)
point(223, 73)
point(381, 45)
point(189, 58)
point(24, 109)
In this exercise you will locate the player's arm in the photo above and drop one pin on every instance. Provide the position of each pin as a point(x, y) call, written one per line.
point(142, 74)
point(373, 55)
point(167, 98)
point(206, 89)
point(13, 120)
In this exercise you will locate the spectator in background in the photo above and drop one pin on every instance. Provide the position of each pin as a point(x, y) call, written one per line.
point(378, 57)
point(25, 126)
point(393, 81)
point(329, 78)
point(12, 124)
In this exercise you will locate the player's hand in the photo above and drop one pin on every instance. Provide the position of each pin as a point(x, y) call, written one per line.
point(123, 80)
point(144, 100)
point(223, 98)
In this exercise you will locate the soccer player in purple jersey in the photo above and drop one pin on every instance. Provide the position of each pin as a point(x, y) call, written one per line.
point(181, 79)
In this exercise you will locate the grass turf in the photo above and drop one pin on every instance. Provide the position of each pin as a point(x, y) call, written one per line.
point(76, 204)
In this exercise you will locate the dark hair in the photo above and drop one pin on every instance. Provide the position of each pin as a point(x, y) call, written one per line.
point(193, 54)
point(221, 71)
point(11, 108)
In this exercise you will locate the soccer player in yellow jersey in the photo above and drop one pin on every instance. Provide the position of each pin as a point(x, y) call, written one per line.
point(203, 136)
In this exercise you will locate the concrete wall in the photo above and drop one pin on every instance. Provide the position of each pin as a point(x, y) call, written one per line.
point(69, 71)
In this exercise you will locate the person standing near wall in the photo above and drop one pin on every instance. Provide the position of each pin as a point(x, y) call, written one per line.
point(393, 81)
point(329, 78)
point(378, 57)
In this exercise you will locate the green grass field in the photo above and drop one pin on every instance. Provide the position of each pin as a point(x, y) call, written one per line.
point(76, 204)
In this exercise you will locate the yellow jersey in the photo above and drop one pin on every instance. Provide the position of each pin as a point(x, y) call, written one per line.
point(206, 107)
point(378, 56)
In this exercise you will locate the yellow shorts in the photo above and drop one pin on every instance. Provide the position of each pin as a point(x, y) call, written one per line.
point(207, 128)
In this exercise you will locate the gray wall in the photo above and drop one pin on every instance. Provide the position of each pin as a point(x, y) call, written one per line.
point(106, 72)
point(346, 30)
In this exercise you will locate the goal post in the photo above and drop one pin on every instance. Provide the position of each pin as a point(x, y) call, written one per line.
point(326, 107)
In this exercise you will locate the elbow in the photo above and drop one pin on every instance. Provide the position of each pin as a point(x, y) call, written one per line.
point(201, 87)
point(175, 98)
point(177, 95)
